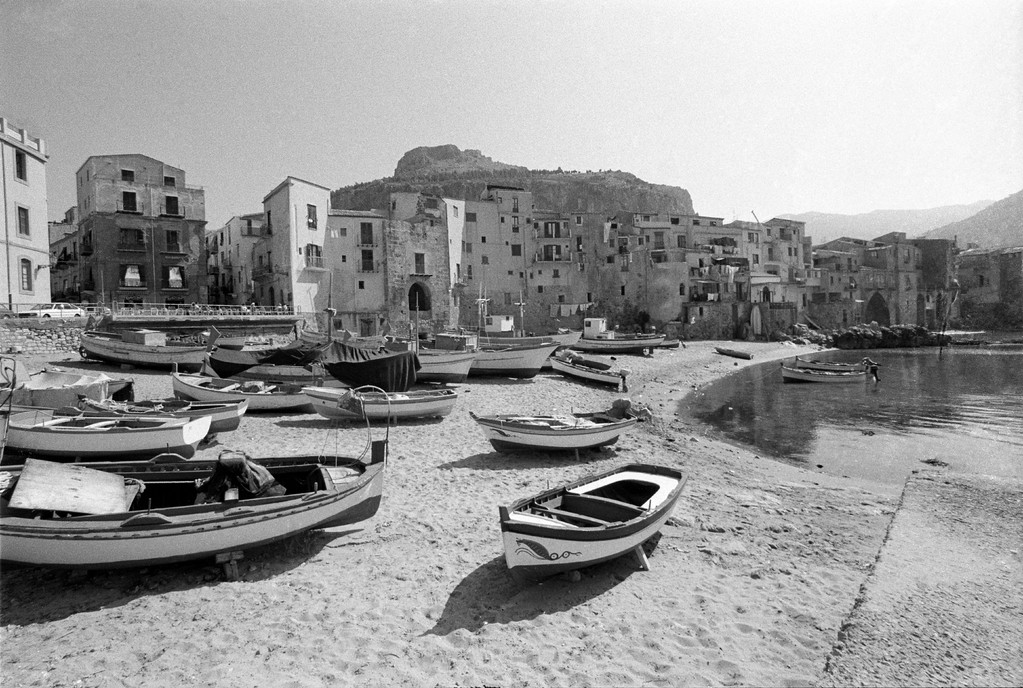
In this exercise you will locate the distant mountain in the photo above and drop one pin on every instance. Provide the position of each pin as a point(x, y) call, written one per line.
point(824, 227)
point(453, 173)
point(999, 225)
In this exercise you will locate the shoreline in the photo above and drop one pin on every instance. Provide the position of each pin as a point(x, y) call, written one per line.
point(750, 582)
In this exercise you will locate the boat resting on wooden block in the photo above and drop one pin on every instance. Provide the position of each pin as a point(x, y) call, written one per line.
point(51, 434)
point(572, 364)
point(262, 396)
point(570, 431)
point(589, 521)
point(142, 514)
point(225, 416)
point(375, 404)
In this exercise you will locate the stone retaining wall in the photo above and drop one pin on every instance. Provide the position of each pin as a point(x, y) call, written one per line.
point(39, 337)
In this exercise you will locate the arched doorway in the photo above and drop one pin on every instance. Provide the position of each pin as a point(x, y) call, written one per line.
point(877, 310)
point(418, 298)
point(271, 297)
point(766, 298)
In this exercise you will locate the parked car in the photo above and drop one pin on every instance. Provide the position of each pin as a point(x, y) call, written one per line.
point(6, 313)
point(53, 310)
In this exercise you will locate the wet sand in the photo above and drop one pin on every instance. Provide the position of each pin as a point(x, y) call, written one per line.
point(750, 582)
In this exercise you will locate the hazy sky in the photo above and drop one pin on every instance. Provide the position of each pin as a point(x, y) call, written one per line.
point(771, 107)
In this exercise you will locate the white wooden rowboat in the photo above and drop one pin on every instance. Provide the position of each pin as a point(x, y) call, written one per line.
point(102, 519)
point(557, 433)
point(512, 361)
point(438, 365)
point(225, 416)
point(616, 343)
point(590, 521)
point(260, 395)
point(48, 433)
point(587, 368)
point(827, 376)
point(362, 403)
point(833, 366)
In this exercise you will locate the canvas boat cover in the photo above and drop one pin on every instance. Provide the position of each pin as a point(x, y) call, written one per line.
point(391, 371)
point(231, 362)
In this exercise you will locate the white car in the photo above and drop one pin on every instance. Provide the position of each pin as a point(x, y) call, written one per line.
point(53, 310)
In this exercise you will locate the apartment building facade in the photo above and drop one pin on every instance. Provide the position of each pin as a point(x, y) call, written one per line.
point(141, 233)
point(229, 259)
point(24, 267)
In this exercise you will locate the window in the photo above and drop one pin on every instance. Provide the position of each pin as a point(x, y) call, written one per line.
point(367, 261)
point(696, 223)
point(23, 226)
point(362, 285)
point(128, 202)
point(468, 272)
point(470, 217)
point(682, 289)
point(516, 249)
point(557, 274)
point(756, 259)
point(483, 240)
point(431, 203)
point(313, 256)
point(366, 233)
point(174, 241)
point(610, 260)
point(170, 181)
point(420, 260)
point(485, 260)
point(132, 275)
point(578, 219)
point(21, 166)
point(623, 290)
point(26, 274)
point(515, 223)
point(127, 175)
point(508, 298)
point(132, 239)
point(173, 277)
point(171, 205)
point(515, 204)
point(674, 220)
point(454, 210)
point(539, 290)
point(310, 216)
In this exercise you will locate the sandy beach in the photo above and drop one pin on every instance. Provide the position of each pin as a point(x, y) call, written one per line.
point(760, 578)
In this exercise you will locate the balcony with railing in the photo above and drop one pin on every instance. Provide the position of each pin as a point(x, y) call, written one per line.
point(262, 272)
point(131, 207)
point(86, 248)
point(314, 262)
point(171, 210)
point(131, 245)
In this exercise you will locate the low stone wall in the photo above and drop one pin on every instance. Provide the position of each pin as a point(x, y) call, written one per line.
point(39, 337)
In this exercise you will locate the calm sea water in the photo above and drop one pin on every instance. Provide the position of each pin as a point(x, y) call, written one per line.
point(963, 408)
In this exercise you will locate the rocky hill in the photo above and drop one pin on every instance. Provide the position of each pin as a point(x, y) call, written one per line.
point(999, 225)
point(824, 227)
point(453, 173)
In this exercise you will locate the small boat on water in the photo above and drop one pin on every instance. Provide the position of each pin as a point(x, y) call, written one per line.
point(170, 509)
point(790, 374)
point(734, 353)
point(144, 348)
point(51, 434)
point(589, 521)
point(225, 416)
point(598, 339)
point(512, 360)
point(572, 431)
point(573, 364)
point(833, 366)
point(373, 404)
point(261, 396)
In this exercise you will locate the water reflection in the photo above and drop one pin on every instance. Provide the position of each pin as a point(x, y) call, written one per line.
point(963, 406)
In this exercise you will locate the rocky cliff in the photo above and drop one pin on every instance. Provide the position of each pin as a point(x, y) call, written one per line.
point(453, 173)
point(999, 225)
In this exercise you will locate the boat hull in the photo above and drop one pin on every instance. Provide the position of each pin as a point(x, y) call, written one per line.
point(519, 362)
point(800, 375)
point(282, 398)
point(449, 367)
point(619, 345)
point(111, 348)
point(828, 366)
point(734, 353)
point(606, 377)
point(536, 547)
point(45, 433)
point(188, 533)
point(224, 416)
point(516, 433)
point(376, 406)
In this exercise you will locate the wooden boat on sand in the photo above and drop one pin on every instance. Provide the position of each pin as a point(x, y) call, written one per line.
point(589, 521)
point(54, 388)
point(261, 396)
point(169, 510)
point(512, 361)
point(598, 339)
point(144, 348)
point(51, 434)
point(375, 404)
point(573, 364)
point(437, 365)
point(734, 353)
point(563, 432)
point(224, 415)
point(790, 374)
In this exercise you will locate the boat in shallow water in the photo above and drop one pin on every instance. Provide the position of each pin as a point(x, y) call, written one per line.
point(115, 515)
point(589, 521)
point(826, 376)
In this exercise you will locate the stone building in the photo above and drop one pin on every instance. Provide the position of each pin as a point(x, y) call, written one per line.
point(24, 276)
point(229, 259)
point(64, 277)
point(141, 233)
point(991, 287)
